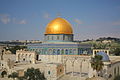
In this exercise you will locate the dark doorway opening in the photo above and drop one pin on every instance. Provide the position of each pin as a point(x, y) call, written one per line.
point(37, 57)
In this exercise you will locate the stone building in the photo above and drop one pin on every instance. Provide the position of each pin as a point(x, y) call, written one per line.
point(25, 56)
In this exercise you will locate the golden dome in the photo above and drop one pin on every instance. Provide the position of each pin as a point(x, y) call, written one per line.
point(59, 26)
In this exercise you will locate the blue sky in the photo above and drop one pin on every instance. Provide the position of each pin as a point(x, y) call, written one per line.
point(90, 19)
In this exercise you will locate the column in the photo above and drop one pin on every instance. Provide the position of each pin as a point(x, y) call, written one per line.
point(65, 68)
point(108, 52)
point(93, 53)
point(80, 68)
point(73, 67)
point(17, 56)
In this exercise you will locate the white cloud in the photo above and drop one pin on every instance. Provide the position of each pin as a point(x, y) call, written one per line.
point(15, 21)
point(78, 21)
point(4, 18)
point(117, 23)
point(22, 22)
point(3, 15)
point(46, 15)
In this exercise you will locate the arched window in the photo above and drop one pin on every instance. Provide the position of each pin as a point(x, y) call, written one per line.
point(63, 37)
point(25, 55)
point(36, 50)
point(50, 51)
point(49, 72)
point(105, 51)
point(48, 38)
point(57, 37)
point(66, 51)
point(62, 51)
point(66, 37)
point(81, 51)
point(52, 37)
point(30, 56)
point(58, 52)
point(74, 51)
point(40, 51)
point(95, 52)
point(70, 51)
point(45, 51)
point(54, 51)
point(33, 49)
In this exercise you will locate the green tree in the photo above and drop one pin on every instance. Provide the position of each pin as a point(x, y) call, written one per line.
point(3, 74)
point(21, 78)
point(13, 75)
point(97, 63)
point(13, 49)
point(99, 45)
point(34, 74)
point(116, 51)
point(30, 74)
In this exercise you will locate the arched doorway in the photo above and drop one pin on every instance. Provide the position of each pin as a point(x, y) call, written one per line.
point(76, 68)
point(84, 68)
point(18, 57)
point(37, 57)
point(68, 67)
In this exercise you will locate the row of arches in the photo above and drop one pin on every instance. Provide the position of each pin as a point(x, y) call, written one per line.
point(25, 57)
point(116, 70)
point(77, 67)
point(62, 51)
point(56, 51)
point(100, 50)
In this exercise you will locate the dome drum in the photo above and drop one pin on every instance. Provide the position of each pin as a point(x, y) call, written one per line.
point(58, 37)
